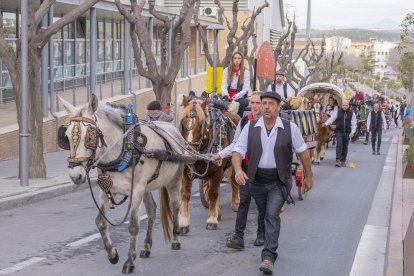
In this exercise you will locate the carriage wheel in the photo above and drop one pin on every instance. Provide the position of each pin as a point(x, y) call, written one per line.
point(203, 188)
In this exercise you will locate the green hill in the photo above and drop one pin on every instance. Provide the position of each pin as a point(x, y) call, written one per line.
point(354, 34)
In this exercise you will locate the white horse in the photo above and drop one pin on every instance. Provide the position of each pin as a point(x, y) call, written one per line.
point(108, 123)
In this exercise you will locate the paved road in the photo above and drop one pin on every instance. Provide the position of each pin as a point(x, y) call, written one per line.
point(319, 236)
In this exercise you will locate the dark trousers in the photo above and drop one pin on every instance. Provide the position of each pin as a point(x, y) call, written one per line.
point(376, 132)
point(342, 142)
point(269, 201)
point(396, 121)
point(367, 136)
point(243, 103)
point(242, 212)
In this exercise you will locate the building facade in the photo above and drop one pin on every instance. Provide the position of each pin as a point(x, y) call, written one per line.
point(380, 53)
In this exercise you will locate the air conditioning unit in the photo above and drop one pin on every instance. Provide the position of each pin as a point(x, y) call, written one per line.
point(209, 11)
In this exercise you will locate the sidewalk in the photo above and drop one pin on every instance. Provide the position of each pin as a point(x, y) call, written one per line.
point(57, 183)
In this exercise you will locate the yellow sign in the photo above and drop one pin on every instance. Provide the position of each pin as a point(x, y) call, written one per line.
point(209, 81)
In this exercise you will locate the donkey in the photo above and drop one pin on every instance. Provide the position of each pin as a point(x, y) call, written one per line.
point(323, 136)
point(108, 123)
point(207, 132)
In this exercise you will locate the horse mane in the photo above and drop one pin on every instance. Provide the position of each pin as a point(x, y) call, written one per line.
point(113, 113)
point(200, 112)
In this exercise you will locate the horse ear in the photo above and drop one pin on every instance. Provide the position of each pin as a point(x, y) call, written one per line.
point(204, 104)
point(70, 109)
point(93, 104)
point(185, 101)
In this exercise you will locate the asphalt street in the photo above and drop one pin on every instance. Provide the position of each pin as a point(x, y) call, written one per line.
point(319, 235)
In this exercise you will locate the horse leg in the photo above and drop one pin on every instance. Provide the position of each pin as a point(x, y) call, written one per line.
point(174, 193)
point(102, 226)
point(184, 216)
point(317, 160)
point(133, 228)
point(235, 195)
point(151, 208)
point(322, 155)
point(213, 195)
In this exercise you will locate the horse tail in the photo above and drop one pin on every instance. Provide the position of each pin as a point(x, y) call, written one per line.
point(165, 213)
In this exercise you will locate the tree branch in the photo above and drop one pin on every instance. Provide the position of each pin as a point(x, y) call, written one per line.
point(42, 11)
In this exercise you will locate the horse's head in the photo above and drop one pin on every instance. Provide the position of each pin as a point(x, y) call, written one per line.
point(81, 136)
point(194, 121)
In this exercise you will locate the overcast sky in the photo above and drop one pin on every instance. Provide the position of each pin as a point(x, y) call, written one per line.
point(330, 14)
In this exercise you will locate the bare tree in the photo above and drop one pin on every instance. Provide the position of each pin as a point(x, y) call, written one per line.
point(351, 62)
point(234, 40)
point(162, 77)
point(37, 38)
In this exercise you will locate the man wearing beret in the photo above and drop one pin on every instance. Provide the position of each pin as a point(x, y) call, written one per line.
point(281, 87)
point(270, 142)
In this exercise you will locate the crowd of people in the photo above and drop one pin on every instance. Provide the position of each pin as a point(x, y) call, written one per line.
point(264, 144)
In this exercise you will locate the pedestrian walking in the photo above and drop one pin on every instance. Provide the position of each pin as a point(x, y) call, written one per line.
point(236, 82)
point(237, 240)
point(346, 124)
point(157, 113)
point(270, 143)
point(281, 87)
point(376, 122)
point(396, 115)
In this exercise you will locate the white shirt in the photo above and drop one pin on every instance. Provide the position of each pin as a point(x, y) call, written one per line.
point(227, 151)
point(384, 122)
point(333, 117)
point(267, 160)
point(279, 90)
point(233, 84)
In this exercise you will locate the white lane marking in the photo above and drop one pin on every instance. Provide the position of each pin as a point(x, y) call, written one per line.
point(196, 194)
point(140, 218)
point(385, 139)
point(20, 266)
point(84, 240)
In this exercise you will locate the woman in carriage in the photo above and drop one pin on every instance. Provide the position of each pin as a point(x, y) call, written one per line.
point(332, 106)
point(236, 82)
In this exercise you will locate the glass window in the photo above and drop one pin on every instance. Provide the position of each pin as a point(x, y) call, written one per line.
point(108, 29)
point(6, 81)
point(9, 25)
point(101, 33)
point(80, 52)
point(117, 50)
point(69, 52)
point(57, 53)
point(57, 35)
point(80, 27)
point(101, 51)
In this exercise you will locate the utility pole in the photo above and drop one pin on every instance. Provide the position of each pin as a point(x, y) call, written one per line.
point(308, 21)
point(24, 131)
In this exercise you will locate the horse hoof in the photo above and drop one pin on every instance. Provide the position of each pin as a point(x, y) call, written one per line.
point(128, 268)
point(322, 158)
point(176, 246)
point(219, 217)
point(184, 230)
point(211, 226)
point(114, 259)
point(235, 208)
point(144, 254)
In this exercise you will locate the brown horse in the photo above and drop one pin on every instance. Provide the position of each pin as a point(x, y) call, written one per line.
point(323, 135)
point(207, 131)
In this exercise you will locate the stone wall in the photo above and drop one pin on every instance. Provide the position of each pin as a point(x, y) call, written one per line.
point(9, 136)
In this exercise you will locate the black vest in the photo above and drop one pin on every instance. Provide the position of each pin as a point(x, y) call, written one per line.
point(343, 121)
point(282, 151)
point(376, 120)
point(239, 85)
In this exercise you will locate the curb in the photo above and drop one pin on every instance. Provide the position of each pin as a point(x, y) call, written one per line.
point(370, 257)
point(23, 199)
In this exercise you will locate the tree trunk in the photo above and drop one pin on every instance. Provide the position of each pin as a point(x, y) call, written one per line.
point(37, 168)
point(163, 92)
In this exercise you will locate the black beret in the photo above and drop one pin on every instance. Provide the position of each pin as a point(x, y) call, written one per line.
point(271, 94)
point(280, 72)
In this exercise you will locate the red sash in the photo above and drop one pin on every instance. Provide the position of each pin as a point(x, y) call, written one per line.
point(246, 159)
point(232, 92)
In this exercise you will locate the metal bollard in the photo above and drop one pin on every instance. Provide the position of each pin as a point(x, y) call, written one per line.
point(112, 88)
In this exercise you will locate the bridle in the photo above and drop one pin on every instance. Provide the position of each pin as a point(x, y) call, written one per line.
point(190, 126)
point(92, 138)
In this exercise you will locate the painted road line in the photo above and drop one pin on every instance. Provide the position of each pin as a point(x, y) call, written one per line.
point(84, 240)
point(140, 218)
point(21, 265)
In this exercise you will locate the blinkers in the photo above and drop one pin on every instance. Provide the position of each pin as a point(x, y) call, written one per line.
point(63, 140)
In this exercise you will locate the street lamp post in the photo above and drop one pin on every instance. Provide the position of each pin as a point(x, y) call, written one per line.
point(216, 28)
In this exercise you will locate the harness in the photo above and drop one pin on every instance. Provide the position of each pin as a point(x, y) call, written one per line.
point(133, 147)
point(215, 129)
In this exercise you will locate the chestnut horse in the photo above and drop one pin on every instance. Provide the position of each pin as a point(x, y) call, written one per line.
point(207, 131)
point(323, 136)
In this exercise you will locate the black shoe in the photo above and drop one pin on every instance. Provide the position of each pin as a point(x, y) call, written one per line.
point(378, 153)
point(259, 240)
point(373, 153)
point(266, 266)
point(338, 163)
point(365, 143)
point(235, 242)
